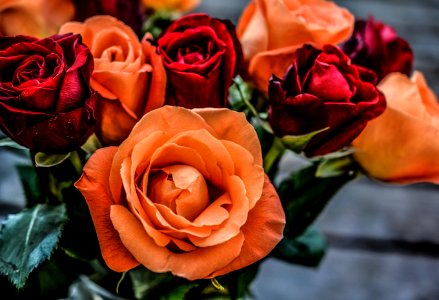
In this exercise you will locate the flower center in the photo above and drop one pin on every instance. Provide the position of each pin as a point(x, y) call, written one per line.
point(182, 188)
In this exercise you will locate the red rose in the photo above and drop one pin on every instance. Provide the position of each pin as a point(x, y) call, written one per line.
point(128, 11)
point(322, 89)
point(45, 99)
point(376, 46)
point(201, 56)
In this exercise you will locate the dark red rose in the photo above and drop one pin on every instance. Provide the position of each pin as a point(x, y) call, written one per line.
point(201, 56)
point(45, 99)
point(322, 89)
point(128, 11)
point(376, 46)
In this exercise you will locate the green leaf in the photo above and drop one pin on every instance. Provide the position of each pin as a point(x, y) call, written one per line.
point(307, 249)
point(49, 160)
point(92, 144)
point(335, 167)
point(7, 142)
point(238, 282)
point(179, 292)
point(304, 195)
point(145, 281)
point(158, 21)
point(29, 238)
point(238, 93)
point(296, 143)
point(240, 99)
point(266, 139)
point(273, 156)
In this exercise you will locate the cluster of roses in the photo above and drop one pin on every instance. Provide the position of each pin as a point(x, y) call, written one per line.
point(182, 188)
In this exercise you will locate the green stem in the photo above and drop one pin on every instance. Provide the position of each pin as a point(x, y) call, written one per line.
point(273, 155)
point(253, 110)
point(76, 162)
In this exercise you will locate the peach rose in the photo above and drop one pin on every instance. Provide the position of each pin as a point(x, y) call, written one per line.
point(39, 18)
point(185, 193)
point(171, 5)
point(128, 74)
point(402, 145)
point(270, 31)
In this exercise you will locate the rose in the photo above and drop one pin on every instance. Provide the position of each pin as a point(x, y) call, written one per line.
point(323, 90)
point(185, 193)
point(270, 31)
point(128, 74)
point(128, 11)
point(201, 56)
point(376, 46)
point(173, 5)
point(402, 145)
point(39, 18)
point(45, 99)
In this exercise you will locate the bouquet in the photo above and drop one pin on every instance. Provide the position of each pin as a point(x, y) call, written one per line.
point(153, 139)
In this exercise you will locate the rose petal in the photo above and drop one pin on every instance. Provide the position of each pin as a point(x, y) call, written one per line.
point(171, 120)
point(238, 213)
point(93, 184)
point(224, 122)
point(200, 263)
point(269, 219)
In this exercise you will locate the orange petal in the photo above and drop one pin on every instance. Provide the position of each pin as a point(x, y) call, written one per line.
point(79, 28)
point(213, 152)
point(403, 143)
point(170, 154)
point(252, 31)
point(196, 264)
point(115, 123)
point(118, 83)
point(238, 214)
point(233, 126)
point(137, 206)
point(157, 87)
point(169, 119)
point(396, 147)
point(428, 97)
point(195, 197)
point(251, 174)
point(262, 231)
point(93, 185)
point(264, 64)
point(215, 213)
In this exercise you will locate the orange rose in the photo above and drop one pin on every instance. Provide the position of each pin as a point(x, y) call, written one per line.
point(186, 193)
point(402, 145)
point(40, 18)
point(172, 5)
point(128, 74)
point(270, 31)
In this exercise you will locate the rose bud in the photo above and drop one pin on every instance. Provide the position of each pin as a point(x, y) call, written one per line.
point(128, 11)
point(270, 31)
point(45, 99)
point(128, 75)
point(201, 56)
point(376, 46)
point(402, 145)
point(321, 90)
point(184, 193)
